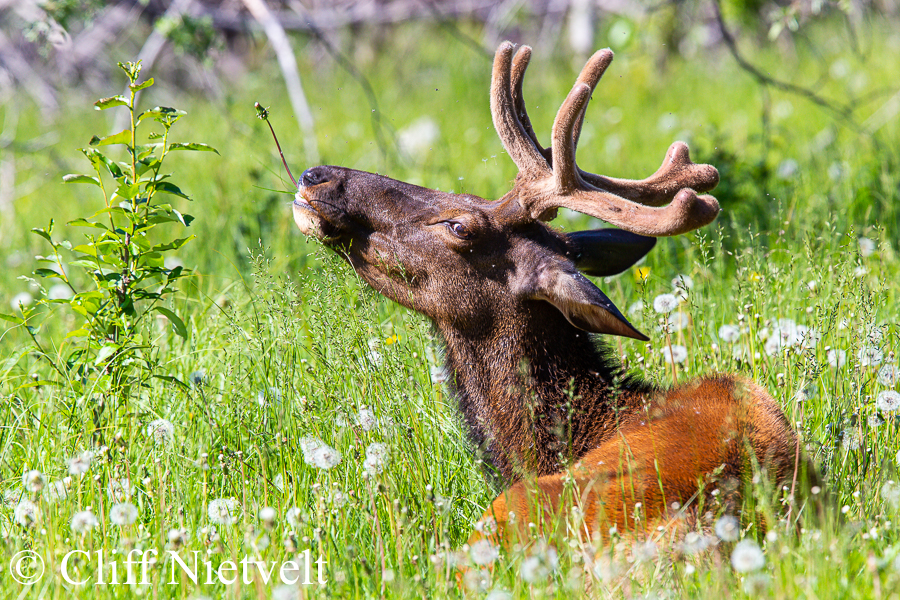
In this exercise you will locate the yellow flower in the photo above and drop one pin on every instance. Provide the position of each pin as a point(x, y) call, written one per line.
point(394, 339)
point(754, 276)
point(641, 273)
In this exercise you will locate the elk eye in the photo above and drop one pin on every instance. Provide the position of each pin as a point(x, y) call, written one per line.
point(459, 230)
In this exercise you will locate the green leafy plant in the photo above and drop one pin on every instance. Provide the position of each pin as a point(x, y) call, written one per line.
point(124, 277)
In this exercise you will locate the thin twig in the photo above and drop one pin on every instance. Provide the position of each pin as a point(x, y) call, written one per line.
point(843, 111)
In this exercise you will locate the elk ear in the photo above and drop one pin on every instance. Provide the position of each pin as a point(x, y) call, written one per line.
point(605, 252)
point(583, 304)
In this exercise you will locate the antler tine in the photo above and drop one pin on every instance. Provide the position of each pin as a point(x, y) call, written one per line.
point(565, 172)
point(590, 75)
point(676, 173)
point(517, 138)
point(517, 76)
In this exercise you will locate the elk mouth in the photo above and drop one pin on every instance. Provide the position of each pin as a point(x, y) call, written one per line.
point(311, 219)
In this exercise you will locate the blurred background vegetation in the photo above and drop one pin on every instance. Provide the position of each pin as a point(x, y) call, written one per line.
point(796, 103)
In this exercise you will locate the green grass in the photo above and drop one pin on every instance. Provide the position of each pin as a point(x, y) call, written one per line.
point(291, 345)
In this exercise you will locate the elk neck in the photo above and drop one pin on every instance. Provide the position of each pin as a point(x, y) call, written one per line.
point(535, 391)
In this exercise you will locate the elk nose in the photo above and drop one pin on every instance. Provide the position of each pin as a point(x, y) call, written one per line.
point(313, 176)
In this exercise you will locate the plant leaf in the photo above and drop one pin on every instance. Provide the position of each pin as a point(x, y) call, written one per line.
point(170, 188)
point(123, 137)
point(105, 103)
point(177, 323)
point(12, 318)
point(79, 222)
point(73, 178)
point(196, 146)
point(141, 86)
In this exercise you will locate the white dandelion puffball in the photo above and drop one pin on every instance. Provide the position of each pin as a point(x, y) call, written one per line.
point(836, 358)
point(539, 565)
point(366, 419)
point(729, 333)
point(694, 542)
point(58, 490)
point(888, 401)
point(852, 438)
point(33, 481)
point(665, 303)
point(278, 482)
point(123, 514)
point(888, 376)
point(326, 457)
point(119, 490)
point(294, 517)
point(177, 537)
point(267, 515)
point(81, 464)
point(866, 247)
point(870, 356)
point(645, 551)
point(677, 321)
point(26, 513)
point(635, 308)
point(747, 557)
point(197, 378)
point(337, 498)
point(60, 291)
point(224, 511)
point(483, 553)
point(728, 528)
point(22, 298)
point(161, 431)
point(890, 492)
point(308, 447)
point(376, 458)
point(439, 375)
point(683, 282)
point(677, 354)
point(83, 521)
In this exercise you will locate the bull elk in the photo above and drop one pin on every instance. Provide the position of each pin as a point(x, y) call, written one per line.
point(544, 399)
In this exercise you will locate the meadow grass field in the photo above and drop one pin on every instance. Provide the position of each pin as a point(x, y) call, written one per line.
point(300, 410)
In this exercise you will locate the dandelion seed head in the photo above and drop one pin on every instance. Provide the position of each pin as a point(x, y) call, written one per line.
point(33, 481)
point(836, 358)
point(122, 514)
point(665, 303)
point(694, 542)
point(729, 333)
point(26, 513)
point(83, 521)
point(870, 356)
point(483, 553)
point(294, 516)
point(646, 551)
point(224, 511)
point(267, 515)
point(197, 378)
point(119, 490)
point(866, 246)
point(161, 431)
point(888, 401)
point(890, 492)
point(325, 457)
point(888, 375)
point(366, 419)
point(80, 464)
point(677, 354)
point(22, 299)
point(747, 557)
point(728, 528)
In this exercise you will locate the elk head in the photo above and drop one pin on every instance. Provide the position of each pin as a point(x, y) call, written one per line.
point(506, 290)
point(462, 260)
